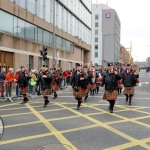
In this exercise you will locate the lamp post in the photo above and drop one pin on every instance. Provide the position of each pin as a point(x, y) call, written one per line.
point(54, 40)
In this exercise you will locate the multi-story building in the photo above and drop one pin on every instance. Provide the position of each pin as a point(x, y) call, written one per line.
point(63, 26)
point(105, 35)
point(123, 54)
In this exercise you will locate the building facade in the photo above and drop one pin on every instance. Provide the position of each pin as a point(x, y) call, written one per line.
point(63, 26)
point(105, 35)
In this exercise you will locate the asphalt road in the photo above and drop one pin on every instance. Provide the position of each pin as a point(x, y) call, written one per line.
point(60, 126)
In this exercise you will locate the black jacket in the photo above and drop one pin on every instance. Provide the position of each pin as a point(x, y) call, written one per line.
point(110, 80)
point(45, 82)
point(129, 79)
point(23, 80)
point(75, 80)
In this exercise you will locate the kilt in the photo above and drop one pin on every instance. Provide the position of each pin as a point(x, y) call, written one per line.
point(88, 88)
point(130, 92)
point(81, 93)
point(98, 84)
point(110, 95)
point(24, 90)
point(46, 92)
point(93, 86)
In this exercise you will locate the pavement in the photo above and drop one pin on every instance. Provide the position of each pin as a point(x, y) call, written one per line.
point(60, 126)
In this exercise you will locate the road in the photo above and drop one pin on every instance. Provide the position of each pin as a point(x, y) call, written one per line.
point(60, 126)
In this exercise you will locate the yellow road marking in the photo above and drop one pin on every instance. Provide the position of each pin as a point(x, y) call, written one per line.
point(128, 145)
point(52, 129)
point(10, 104)
point(24, 138)
point(35, 122)
point(101, 124)
point(124, 118)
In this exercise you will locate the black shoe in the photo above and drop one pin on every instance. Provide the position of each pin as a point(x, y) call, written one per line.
point(46, 103)
point(111, 110)
point(23, 102)
point(126, 99)
point(78, 107)
point(109, 107)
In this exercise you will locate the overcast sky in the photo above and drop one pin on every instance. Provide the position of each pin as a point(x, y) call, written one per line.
point(135, 25)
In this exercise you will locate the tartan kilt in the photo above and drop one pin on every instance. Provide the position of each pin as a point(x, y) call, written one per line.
point(46, 92)
point(110, 95)
point(88, 88)
point(98, 84)
point(24, 90)
point(93, 86)
point(55, 87)
point(81, 93)
point(130, 92)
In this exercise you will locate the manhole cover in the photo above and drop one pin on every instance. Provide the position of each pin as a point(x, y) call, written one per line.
point(54, 147)
point(1, 127)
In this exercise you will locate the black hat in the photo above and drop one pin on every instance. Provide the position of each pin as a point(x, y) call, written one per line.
point(110, 64)
point(128, 64)
point(78, 64)
point(22, 67)
point(45, 66)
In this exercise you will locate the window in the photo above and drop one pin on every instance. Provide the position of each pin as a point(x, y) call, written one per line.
point(96, 47)
point(70, 65)
point(45, 37)
point(39, 8)
point(40, 35)
point(30, 61)
point(96, 17)
point(96, 24)
point(96, 54)
point(29, 31)
point(47, 10)
point(96, 39)
point(22, 3)
point(31, 6)
point(6, 23)
point(96, 31)
point(21, 28)
point(47, 62)
point(39, 63)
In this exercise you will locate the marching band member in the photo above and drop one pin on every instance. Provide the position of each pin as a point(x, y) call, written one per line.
point(46, 80)
point(23, 81)
point(78, 85)
point(129, 81)
point(110, 80)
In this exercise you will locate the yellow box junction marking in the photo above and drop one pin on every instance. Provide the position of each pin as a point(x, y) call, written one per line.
point(52, 129)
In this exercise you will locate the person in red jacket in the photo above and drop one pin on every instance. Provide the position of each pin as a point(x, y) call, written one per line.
point(67, 75)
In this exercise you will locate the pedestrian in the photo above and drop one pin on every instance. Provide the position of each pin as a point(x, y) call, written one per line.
point(23, 81)
point(77, 82)
point(8, 83)
point(110, 80)
point(46, 81)
point(16, 83)
point(2, 80)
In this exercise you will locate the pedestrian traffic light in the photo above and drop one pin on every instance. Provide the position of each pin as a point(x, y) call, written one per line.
point(44, 53)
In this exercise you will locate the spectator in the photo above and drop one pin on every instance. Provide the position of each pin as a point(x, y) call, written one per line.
point(2, 80)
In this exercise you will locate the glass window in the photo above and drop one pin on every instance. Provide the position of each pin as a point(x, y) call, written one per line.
point(29, 31)
point(96, 31)
point(31, 6)
point(15, 26)
point(96, 24)
point(96, 39)
point(96, 47)
point(39, 8)
point(63, 45)
point(58, 42)
point(40, 35)
point(47, 10)
point(96, 54)
point(47, 62)
point(22, 3)
point(45, 37)
point(39, 63)
point(96, 17)
point(30, 61)
point(6, 23)
point(51, 39)
point(21, 28)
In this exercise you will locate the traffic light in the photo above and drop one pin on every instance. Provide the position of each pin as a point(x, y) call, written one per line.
point(44, 53)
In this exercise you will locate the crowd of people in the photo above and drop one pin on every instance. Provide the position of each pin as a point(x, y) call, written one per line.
point(84, 81)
